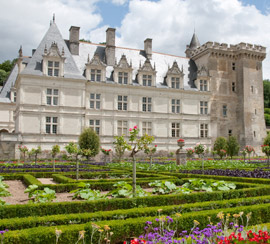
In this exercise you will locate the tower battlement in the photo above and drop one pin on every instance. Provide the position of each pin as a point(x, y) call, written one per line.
point(230, 48)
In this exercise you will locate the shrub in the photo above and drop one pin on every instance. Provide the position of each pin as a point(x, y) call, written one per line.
point(89, 140)
point(232, 146)
point(220, 144)
point(267, 140)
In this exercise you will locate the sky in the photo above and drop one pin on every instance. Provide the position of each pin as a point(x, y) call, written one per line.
point(170, 23)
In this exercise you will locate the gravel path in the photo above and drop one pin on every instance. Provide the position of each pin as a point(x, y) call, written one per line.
point(16, 188)
point(46, 181)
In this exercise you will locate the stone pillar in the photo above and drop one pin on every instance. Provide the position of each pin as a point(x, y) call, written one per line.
point(181, 154)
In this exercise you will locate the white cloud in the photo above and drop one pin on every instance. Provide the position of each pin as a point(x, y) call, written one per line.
point(171, 23)
point(26, 22)
point(119, 2)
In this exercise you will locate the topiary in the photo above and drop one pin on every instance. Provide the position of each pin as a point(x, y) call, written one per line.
point(232, 146)
point(89, 140)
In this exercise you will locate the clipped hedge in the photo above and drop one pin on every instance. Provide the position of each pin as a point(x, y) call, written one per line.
point(130, 227)
point(11, 211)
point(65, 219)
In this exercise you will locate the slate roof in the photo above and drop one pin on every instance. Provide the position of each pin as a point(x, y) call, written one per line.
point(161, 61)
point(194, 43)
point(35, 65)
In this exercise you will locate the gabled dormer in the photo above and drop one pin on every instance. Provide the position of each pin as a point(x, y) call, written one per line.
point(147, 74)
point(175, 77)
point(53, 61)
point(203, 78)
point(123, 71)
point(95, 69)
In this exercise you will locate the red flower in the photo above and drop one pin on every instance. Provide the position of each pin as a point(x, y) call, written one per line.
point(180, 140)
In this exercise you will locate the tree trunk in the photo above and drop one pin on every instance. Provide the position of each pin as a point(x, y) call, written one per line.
point(53, 164)
point(202, 165)
point(77, 169)
point(134, 177)
point(35, 159)
point(151, 158)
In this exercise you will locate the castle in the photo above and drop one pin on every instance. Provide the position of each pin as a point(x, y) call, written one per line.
point(67, 85)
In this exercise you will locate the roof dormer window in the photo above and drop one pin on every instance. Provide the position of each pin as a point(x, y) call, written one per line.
point(147, 74)
point(95, 69)
point(53, 68)
point(123, 71)
point(53, 61)
point(175, 77)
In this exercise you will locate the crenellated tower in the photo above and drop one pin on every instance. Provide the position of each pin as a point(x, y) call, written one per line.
point(234, 75)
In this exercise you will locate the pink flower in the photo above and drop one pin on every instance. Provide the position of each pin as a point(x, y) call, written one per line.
point(155, 145)
point(130, 129)
point(135, 127)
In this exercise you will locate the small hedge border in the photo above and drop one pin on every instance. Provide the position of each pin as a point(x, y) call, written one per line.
point(129, 227)
point(65, 219)
point(11, 211)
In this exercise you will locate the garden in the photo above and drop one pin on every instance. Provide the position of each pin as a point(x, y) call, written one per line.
point(218, 196)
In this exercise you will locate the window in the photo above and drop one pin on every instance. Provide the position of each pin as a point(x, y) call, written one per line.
point(123, 78)
point(147, 80)
point(95, 75)
point(176, 106)
point(203, 107)
point(95, 101)
point(52, 96)
point(255, 111)
point(203, 85)
point(95, 125)
point(254, 133)
point(252, 89)
point(53, 68)
point(175, 83)
point(233, 66)
point(175, 129)
point(14, 96)
point(233, 87)
point(147, 128)
point(51, 125)
point(229, 132)
point(146, 104)
point(224, 110)
point(121, 127)
point(203, 130)
point(122, 102)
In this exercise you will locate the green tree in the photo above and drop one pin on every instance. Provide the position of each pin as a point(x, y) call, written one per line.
point(74, 150)
point(232, 146)
point(220, 144)
point(266, 140)
point(55, 151)
point(120, 146)
point(89, 140)
point(266, 93)
point(5, 69)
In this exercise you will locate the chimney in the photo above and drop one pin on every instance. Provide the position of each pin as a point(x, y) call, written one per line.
point(110, 46)
point(74, 36)
point(148, 48)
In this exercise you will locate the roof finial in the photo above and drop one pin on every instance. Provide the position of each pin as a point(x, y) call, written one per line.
point(20, 52)
point(88, 59)
point(54, 18)
point(45, 49)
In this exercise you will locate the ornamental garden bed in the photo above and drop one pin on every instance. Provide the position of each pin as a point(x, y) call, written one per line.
point(126, 217)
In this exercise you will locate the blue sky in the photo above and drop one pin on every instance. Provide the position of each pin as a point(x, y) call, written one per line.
point(113, 14)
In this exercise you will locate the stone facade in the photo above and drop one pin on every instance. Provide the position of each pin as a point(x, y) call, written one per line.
point(68, 85)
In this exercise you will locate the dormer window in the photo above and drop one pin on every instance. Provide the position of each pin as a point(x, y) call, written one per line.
point(53, 68)
point(203, 85)
point(147, 80)
point(95, 75)
point(53, 61)
point(123, 78)
point(147, 74)
point(175, 82)
point(123, 71)
point(175, 77)
point(95, 69)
